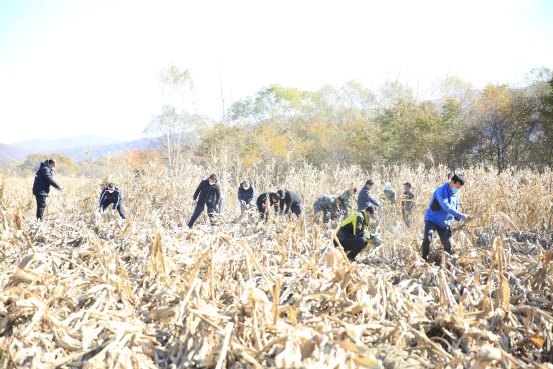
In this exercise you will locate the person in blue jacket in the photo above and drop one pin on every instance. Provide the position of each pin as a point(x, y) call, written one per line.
point(365, 199)
point(111, 195)
point(442, 209)
point(245, 196)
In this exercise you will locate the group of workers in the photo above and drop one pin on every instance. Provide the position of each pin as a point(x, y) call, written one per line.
point(353, 232)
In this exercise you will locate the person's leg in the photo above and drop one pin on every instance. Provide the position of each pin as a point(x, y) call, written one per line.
point(353, 246)
point(445, 238)
point(429, 229)
point(210, 214)
point(197, 211)
point(120, 209)
point(40, 206)
point(261, 210)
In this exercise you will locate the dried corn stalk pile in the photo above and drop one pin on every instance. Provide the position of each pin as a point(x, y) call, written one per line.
point(78, 292)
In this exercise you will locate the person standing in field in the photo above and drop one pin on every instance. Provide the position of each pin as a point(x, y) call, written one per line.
point(112, 195)
point(365, 199)
point(407, 203)
point(331, 207)
point(44, 178)
point(208, 195)
point(289, 200)
point(389, 193)
point(245, 196)
point(442, 210)
point(347, 196)
point(265, 201)
point(353, 233)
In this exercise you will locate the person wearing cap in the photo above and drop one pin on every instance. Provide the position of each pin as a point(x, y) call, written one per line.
point(347, 195)
point(353, 233)
point(331, 207)
point(265, 201)
point(245, 195)
point(111, 195)
point(389, 193)
point(365, 199)
point(407, 203)
point(442, 210)
point(289, 201)
point(44, 178)
point(208, 194)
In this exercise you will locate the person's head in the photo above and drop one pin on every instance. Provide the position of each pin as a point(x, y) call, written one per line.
point(369, 184)
point(111, 187)
point(339, 200)
point(51, 163)
point(406, 186)
point(281, 193)
point(456, 182)
point(274, 196)
point(245, 184)
point(212, 179)
point(370, 213)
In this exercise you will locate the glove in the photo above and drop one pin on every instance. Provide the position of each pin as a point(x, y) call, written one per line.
point(465, 217)
point(194, 202)
point(60, 189)
point(101, 211)
point(242, 202)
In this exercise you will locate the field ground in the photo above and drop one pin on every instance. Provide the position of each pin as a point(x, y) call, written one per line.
point(78, 292)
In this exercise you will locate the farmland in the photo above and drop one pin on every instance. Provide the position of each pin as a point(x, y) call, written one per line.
point(81, 292)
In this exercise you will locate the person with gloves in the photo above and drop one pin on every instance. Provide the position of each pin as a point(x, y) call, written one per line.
point(331, 207)
point(208, 195)
point(442, 210)
point(353, 233)
point(245, 196)
point(111, 195)
point(44, 178)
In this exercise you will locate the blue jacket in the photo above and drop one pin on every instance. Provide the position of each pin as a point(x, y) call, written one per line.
point(245, 195)
point(442, 209)
point(364, 199)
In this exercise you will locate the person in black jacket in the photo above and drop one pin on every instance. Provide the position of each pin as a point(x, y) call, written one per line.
point(245, 195)
point(265, 201)
point(207, 194)
point(41, 186)
point(111, 195)
point(290, 200)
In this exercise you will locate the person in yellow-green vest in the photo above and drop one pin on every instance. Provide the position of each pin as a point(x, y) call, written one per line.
point(354, 235)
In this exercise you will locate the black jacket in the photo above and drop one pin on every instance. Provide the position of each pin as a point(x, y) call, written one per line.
point(291, 199)
point(110, 198)
point(207, 193)
point(273, 200)
point(245, 195)
point(43, 180)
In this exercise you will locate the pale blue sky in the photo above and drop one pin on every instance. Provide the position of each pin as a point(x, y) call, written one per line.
point(76, 67)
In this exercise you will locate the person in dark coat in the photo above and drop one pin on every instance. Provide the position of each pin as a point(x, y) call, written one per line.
point(354, 234)
point(289, 201)
point(407, 203)
point(111, 195)
point(365, 199)
point(245, 195)
point(265, 201)
point(208, 195)
point(331, 207)
point(44, 178)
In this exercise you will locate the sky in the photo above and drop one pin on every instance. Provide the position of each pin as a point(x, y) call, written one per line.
point(92, 67)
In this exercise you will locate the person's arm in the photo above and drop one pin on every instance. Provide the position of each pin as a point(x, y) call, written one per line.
point(445, 206)
point(287, 202)
point(47, 176)
point(359, 227)
point(118, 198)
point(372, 200)
point(103, 195)
point(240, 196)
point(195, 197)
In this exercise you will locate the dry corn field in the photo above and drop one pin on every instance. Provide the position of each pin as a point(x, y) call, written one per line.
point(81, 292)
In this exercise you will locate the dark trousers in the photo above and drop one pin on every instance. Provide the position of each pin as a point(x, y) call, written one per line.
point(200, 206)
point(119, 207)
point(262, 210)
point(353, 246)
point(445, 238)
point(40, 205)
point(295, 208)
point(406, 214)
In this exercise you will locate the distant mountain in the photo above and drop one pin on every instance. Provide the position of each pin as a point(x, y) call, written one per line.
point(77, 148)
point(66, 143)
